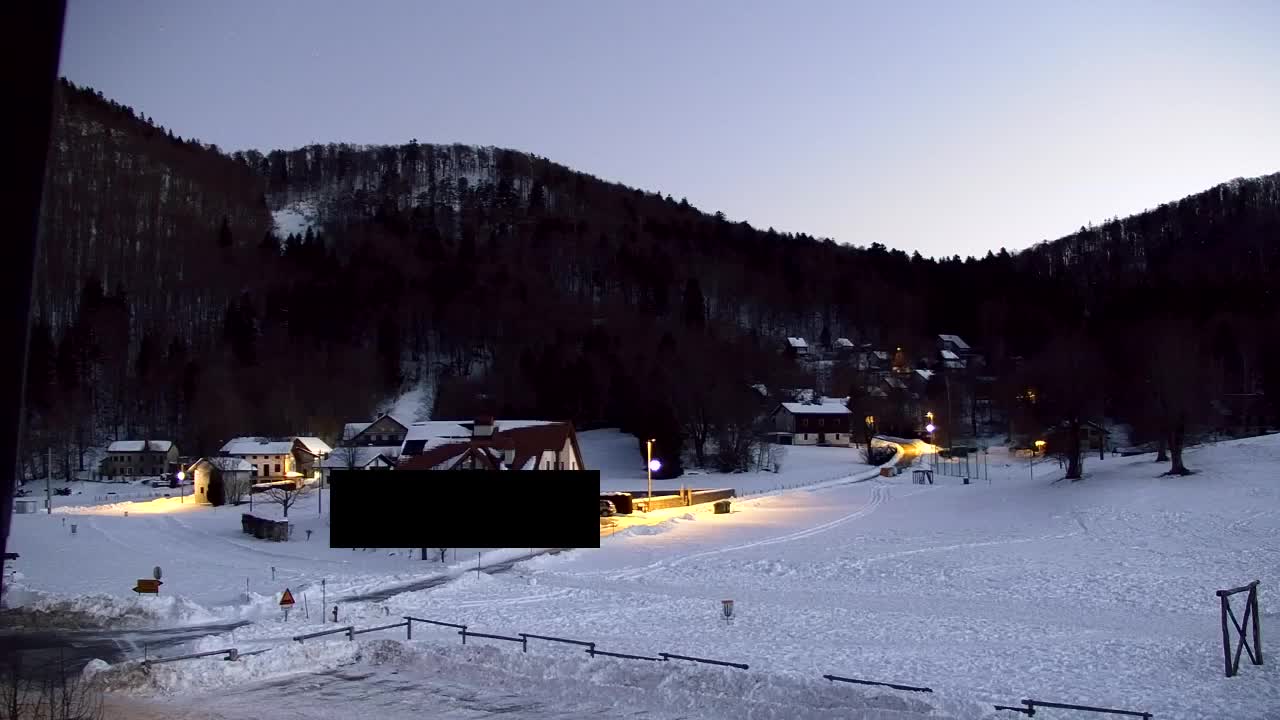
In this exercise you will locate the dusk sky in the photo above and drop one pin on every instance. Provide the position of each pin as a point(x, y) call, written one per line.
point(948, 128)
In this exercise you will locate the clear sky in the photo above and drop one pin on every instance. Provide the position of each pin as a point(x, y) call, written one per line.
point(947, 127)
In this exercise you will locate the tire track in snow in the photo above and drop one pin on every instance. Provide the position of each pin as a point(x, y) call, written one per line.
point(525, 600)
point(963, 546)
point(879, 494)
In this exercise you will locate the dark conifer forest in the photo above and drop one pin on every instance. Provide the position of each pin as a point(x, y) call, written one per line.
point(168, 307)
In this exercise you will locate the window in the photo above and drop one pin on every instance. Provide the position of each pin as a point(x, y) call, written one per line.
point(277, 468)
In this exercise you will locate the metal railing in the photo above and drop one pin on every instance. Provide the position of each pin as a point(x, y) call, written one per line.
point(895, 686)
point(348, 629)
point(705, 661)
point(1031, 705)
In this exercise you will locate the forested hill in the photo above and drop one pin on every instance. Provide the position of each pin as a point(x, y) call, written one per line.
point(167, 306)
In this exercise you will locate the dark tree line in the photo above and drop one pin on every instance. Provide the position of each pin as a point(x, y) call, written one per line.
point(168, 304)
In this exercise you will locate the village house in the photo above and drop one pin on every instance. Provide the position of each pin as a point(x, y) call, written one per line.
point(385, 431)
point(797, 347)
point(954, 345)
point(488, 444)
point(219, 480)
point(279, 459)
point(820, 423)
point(308, 453)
point(139, 458)
point(361, 457)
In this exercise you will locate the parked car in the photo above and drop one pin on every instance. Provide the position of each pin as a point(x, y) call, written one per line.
point(607, 509)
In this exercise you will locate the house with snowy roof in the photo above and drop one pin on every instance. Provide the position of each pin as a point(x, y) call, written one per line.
point(220, 480)
point(953, 344)
point(139, 458)
point(361, 457)
point(489, 444)
point(812, 423)
point(384, 431)
point(951, 360)
point(797, 347)
point(275, 459)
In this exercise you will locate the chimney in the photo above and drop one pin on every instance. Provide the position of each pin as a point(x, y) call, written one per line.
point(483, 427)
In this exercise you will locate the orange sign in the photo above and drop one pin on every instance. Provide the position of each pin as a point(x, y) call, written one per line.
point(287, 599)
point(147, 585)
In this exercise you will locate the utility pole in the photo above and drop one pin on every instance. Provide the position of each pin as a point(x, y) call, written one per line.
point(950, 417)
point(320, 484)
point(48, 484)
point(648, 466)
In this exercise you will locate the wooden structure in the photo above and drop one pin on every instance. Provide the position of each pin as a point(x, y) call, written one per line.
point(1244, 628)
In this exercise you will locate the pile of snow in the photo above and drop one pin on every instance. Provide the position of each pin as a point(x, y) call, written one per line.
point(37, 609)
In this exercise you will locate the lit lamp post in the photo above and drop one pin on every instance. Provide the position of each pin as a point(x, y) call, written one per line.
point(870, 422)
point(651, 466)
point(182, 493)
point(929, 429)
point(1039, 448)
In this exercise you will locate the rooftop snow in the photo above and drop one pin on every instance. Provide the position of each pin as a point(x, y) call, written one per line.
point(257, 446)
point(461, 428)
point(844, 342)
point(315, 445)
point(229, 464)
point(796, 342)
point(954, 340)
point(351, 430)
point(137, 445)
point(341, 458)
point(823, 409)
point(948, 355)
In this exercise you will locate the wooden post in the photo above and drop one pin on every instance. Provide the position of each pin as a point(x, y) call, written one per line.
point(1226, 635)
point(1257, 622)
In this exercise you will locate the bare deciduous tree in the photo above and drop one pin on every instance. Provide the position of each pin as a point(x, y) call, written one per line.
point(286, 494)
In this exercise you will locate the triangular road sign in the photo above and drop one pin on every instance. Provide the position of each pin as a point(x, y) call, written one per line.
point(287, 598)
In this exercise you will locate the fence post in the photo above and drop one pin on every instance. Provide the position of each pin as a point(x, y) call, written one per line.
point(351, 633)
point(1257, 623)
point(1226, 635)
point(408, 629)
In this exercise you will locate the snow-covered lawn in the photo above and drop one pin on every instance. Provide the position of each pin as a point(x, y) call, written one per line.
point(211, 570)
point(622, 467)
point(1099, 592)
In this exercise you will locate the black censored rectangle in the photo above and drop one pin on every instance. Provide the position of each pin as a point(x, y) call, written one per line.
point(464, 508)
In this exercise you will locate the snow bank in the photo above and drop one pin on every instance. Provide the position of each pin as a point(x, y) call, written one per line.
point(547, 674)
point(35, 608)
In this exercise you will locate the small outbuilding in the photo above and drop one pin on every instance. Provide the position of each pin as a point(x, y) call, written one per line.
point(220, 480)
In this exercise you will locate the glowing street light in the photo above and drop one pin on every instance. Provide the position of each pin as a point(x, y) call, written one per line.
point(182, 493)
point(655, 465)
point(929, 429)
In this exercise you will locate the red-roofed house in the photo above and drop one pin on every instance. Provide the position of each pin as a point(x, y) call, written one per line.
point(545, 446)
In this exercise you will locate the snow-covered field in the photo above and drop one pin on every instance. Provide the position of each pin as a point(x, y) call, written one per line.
point(622, 467)
point(1099, 592)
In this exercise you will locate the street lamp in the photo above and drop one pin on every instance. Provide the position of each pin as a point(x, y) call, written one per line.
point(182, 494)
point(1039, 447)
point(651, 466)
